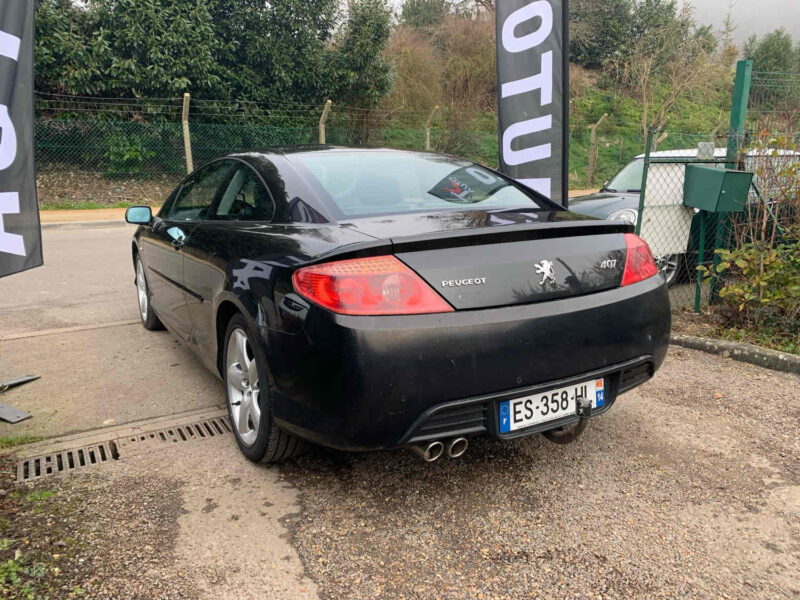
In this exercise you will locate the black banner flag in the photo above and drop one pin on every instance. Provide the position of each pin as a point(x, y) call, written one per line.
point(20, 234)
point(533, 93)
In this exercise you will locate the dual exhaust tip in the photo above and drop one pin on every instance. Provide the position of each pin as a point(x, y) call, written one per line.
point(433, 451)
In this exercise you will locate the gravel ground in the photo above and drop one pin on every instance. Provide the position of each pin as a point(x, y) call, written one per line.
point(688, 488)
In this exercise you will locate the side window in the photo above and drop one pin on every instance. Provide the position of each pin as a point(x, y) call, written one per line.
point(246, 198)
point(198, 194)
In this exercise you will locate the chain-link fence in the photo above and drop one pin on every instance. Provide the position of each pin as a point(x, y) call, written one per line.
point(94, 151)
point(682, 239)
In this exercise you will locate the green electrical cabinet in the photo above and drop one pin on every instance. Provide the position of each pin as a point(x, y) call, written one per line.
point(713, 190)
point(716, 190)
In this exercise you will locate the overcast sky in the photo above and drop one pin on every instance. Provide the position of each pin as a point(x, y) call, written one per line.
point(751, 16)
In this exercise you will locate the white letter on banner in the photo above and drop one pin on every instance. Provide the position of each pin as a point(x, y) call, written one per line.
point(543, 81)
point(543, 186)
point(9, 45)
point(541, 9)
point(10, 243)
point(526, 155)
point(8, 139)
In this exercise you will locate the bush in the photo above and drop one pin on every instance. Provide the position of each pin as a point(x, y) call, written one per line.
point(127, 155)
point(760, 285)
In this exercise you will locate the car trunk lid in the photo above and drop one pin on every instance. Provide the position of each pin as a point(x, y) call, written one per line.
point(483, 260)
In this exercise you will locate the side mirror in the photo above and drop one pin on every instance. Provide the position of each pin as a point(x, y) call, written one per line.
point(138, 215)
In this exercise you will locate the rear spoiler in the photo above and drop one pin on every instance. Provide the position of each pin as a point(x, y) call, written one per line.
point(474, 237)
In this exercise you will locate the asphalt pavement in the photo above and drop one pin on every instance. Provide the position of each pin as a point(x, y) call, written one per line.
point(75, 323)
point(688, 488)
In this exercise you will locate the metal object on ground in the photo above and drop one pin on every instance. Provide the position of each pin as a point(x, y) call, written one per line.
point(7, 385)
point(12, 415)
point(9, 413)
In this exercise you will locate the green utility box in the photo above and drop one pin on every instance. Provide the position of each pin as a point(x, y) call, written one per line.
point(716, 190)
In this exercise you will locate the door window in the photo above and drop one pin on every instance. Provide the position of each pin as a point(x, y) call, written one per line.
point(246, 198)
point(199, 192)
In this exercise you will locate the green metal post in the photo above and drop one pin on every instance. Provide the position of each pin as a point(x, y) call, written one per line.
point(647, 151)
point(741, 98)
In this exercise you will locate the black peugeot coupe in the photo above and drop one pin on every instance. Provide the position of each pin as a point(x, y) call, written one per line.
point(367, 299)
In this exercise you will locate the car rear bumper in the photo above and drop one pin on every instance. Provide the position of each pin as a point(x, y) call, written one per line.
point(365, 383)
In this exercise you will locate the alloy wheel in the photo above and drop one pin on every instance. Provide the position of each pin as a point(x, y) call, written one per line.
point(141, 289)
point(668, 267)
point(243, 387)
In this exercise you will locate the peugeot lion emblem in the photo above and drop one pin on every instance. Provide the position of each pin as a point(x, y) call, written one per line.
point(547, 270)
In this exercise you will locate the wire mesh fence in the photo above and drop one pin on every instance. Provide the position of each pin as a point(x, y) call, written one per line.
point(100, 151)
point(683, 240)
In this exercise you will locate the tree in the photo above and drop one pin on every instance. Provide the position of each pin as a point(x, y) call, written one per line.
point(69, 59)
point(599, 31)
point(418, 71)
point(424, 13)
point(291, 51)
point(667, 58)
point(774, 52)
point(158, 47)
point(275, 51)
point(362, 73)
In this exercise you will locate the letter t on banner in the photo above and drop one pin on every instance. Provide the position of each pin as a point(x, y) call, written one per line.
point(20, 234)
point(533, 94)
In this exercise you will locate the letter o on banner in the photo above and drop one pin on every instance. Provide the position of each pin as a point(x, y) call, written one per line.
point(541, 9)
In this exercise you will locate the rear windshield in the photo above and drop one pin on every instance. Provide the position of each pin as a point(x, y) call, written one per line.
point(364, 184)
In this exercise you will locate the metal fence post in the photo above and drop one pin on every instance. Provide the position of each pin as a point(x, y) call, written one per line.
point(741, 99)
point(323, 120)
point(590, 170)
point(647, 151)
point(428, 128)
point(187, 140)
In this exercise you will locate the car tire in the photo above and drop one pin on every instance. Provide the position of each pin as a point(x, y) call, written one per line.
point(250, 402)
point(149, 319)
point(567, 435)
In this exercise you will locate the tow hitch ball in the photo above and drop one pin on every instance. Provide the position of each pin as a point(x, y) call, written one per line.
point(584, 407)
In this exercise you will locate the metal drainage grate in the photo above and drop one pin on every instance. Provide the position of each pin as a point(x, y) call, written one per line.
point(67, 460)
point(182, 433)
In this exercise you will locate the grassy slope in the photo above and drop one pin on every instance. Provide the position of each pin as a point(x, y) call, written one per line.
point(619, 138)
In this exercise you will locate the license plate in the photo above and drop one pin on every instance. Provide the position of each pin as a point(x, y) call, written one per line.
point(550, 405)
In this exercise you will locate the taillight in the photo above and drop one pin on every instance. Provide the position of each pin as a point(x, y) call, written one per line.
point(368, 286)
point(639, 264)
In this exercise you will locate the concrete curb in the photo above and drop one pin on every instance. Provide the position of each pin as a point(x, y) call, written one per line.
point(84, 224)
point(747, 353)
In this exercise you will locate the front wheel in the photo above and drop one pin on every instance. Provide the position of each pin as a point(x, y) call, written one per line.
point(149, 318)
point(250, 400)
